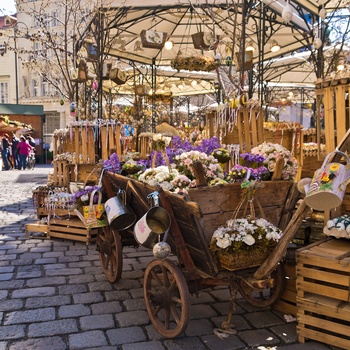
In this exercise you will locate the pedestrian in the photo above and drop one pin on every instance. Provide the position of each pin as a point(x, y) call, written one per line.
point(24, 149)
point(15, 142)
point(31, 141)
point(5, 152)
point(165, 128)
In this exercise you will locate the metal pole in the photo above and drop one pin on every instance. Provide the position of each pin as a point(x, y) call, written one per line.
point(16, 72)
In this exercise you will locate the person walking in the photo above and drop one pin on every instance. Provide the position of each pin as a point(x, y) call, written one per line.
point(24, 149)
point(5, 152)
point(15, 142)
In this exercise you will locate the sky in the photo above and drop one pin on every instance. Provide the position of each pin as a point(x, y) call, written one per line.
point(7, 7)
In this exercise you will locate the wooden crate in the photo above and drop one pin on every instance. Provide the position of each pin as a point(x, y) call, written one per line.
point(323, 292)
point(37, 227)
point(60, 173)
point(324, 319)
point(73, 229)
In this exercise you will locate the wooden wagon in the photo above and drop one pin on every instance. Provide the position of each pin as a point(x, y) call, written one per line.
point(168, 283)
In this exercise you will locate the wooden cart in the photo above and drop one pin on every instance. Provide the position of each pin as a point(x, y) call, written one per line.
point(168, 283)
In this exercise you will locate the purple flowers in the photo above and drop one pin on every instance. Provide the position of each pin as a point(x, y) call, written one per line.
point(112, 164)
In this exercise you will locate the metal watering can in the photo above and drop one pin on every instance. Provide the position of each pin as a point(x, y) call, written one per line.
point(155, 223)
point(328, 185)
point(119, 215)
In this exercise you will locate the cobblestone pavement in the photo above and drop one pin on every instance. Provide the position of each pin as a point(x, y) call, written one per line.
point(54, 295)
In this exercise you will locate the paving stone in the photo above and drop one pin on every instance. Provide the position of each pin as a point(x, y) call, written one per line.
point(81, 264)
point(3, 345)
point(100, 286)
point(199, 327)
point(120, 336)
point(85, 340)
point(14, 284)
point(54, 266)
point(135, 304)
point(12, 332)
point(106, 308)
point(4, 269)
point(238, 322)
point(29, 316)
point(258, 337)
point(6, 276)
point(10, 305)
point(64, 272)
point(188, 343)
point(263, 319)
point(30, 292)
point(223, 308)
point(127, 284)
point(286, 332)
point(133, 274)
point(150, 345)
point(52, 343)
point(202, 311)
point(137, 293)
point(117, 295)
point(71, 311)
point(307, 346)
point(43, 261)
point(45, 281)
point(68, 259)
point(47, 329)
point(201, 298)
point(132, 318)
point(221, 294)
point(87, 298)
point(72, 289)
point(96, 322)
point(80, 279)
point(56, 300)
point(232, 342)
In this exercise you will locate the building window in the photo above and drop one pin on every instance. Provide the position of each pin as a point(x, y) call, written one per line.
point(44, 88)
point(36, 50)
point(54, 19)
point(4, 92)
point(35, 88)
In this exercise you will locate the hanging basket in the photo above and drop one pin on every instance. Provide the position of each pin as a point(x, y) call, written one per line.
point(242, 260)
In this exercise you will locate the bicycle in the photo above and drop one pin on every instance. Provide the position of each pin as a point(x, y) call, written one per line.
point(31, 161)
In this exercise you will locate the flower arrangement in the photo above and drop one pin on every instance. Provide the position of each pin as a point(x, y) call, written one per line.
point(200, 63)
point(160, 142)
point(338, 227)
point(237, 173)
point(245, 234)
point(81, 197)
point(212, 168)
point(159, 176)
point(182, 183)
point(131, 167)
point(112, 164)
point(273, 151)
point(221, 154)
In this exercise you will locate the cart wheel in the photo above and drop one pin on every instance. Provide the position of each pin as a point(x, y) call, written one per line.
point(265, 297)
point(167, 298)
point(109, 246)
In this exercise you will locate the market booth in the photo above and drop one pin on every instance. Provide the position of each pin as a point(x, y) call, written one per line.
point(237, 169)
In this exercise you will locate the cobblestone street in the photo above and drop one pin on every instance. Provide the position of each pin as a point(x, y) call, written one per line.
point(54, 294)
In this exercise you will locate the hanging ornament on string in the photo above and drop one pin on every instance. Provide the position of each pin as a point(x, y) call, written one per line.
point(95, 85)
point(317, 41)
point(287, 13)
point(322, 13)
point(72, 109)
point(61, 100)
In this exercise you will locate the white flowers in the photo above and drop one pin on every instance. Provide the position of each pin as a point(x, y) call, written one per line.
point(242, 233)
point(159, 176)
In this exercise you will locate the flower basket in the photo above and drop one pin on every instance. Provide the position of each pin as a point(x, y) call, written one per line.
point(242, 259)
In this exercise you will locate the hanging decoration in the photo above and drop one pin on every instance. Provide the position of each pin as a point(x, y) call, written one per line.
point(287, 13)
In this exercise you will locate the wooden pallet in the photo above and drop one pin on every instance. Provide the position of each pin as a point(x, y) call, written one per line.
point(60, 173)
point(37, 227)
point(72, 229)
point(323, 292)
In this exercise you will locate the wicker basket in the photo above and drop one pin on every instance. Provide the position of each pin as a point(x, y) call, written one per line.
point(242, 260)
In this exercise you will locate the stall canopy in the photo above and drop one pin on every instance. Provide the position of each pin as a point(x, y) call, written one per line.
point(210, 38)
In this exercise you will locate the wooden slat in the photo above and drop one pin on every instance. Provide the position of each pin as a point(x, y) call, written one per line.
point(329, 120)
point(340, 118)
